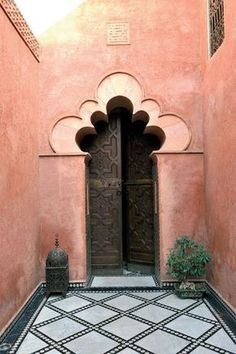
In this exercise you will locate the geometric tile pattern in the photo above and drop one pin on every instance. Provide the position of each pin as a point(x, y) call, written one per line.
point(126, 321)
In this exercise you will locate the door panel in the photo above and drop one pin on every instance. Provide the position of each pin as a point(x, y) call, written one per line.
point(140, 224)
point(139, 199)
point(105, 199)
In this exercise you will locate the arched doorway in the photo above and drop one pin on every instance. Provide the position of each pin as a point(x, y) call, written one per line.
point(121, 195)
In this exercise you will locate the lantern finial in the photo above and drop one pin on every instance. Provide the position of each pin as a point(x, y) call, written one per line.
point(56, 240)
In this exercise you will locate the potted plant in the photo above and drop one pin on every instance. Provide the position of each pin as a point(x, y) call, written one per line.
point(187, 260)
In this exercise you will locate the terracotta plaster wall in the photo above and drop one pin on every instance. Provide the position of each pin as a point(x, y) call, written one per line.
point(181, 201)
point(165, 55)
point(220, 159)
point(63, 210)
point(19, 225)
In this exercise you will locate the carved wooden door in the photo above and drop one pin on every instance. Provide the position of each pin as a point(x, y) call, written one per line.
point(139, 199)
point(121, 196)
point(105, 198)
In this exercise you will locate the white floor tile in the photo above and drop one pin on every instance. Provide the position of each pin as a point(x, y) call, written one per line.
point(173, 301)
point(160, 342)
point(153, 313)
point(91, 343)
point(61, 329)
point(202, 310)
point(121, 281)
point(125, 327)
point(222, 340)
point(30, 344)
point(71, 303)
point(95, 314)
point(124, 302)
point(46, 314)
point(189, 326)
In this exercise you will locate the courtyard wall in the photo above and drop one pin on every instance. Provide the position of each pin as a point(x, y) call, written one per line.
point(19, 208)
point(165, 55)
point(220, 160)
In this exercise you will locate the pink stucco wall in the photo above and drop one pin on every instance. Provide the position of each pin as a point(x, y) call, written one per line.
point(19, 227)
point(181, 200)
point(220, 159)
point(165, 55)
point(63, 210)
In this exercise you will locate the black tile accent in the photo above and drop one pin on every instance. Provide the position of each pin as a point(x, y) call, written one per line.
point(16, 328)
point(221, 308)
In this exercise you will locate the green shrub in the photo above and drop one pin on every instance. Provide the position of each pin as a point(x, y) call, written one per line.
point(187, 259)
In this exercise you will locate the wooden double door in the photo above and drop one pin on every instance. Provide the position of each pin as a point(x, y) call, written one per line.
point(121, 213)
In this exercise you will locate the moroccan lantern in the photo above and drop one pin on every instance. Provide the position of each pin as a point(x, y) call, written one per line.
point(57, 271)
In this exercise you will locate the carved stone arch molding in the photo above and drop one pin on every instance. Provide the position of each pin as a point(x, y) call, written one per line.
point(115, 90)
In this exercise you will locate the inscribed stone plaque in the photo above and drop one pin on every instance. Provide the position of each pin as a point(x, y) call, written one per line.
point(117, 33)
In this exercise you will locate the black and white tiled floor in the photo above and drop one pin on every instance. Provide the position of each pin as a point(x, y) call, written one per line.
point(99, 321)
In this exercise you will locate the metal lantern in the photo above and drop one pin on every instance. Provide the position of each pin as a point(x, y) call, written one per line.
point(57, 271)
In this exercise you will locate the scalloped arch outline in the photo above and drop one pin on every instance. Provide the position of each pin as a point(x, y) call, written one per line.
point(114, 90)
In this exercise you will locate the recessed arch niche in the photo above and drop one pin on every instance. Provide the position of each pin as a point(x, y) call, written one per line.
point(119, 89)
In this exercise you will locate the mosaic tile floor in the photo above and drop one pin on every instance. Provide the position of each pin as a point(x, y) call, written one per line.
point(90, 321)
